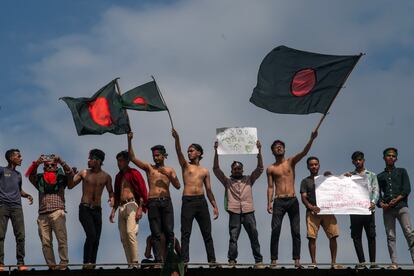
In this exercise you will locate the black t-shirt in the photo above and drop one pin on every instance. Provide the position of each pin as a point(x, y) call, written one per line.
point(308, 186)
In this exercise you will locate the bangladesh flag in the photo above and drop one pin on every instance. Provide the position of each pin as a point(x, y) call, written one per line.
point(297, 82)
point(144, 98)
point(101, 113)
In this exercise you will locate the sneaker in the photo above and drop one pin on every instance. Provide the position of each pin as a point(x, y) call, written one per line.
point(361, 266)
point(214, 265)
point(259, 265)
point(392, 266)
point(232, 263)
point(22, 268)
point(273, 264)
point(374, 266)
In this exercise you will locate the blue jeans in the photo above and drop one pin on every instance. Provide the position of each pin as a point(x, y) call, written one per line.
point(248, 221)
point(17, 220)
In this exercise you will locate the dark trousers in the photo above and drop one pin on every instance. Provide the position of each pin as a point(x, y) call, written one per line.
point(195, 207)
point(91, 220)
point(17, 220)
point(161, 220)
point(358, 222)
point(281, 206)
point(248, 221)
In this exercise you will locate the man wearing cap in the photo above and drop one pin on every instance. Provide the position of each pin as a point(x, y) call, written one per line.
point(94, 180)
point(51, 185)
point(194, 203)
point(239, 204)
point(394, 185)
point(367, 222)
point(160, 208)
point(313, 220)
point(281, 197)
point(130, 197)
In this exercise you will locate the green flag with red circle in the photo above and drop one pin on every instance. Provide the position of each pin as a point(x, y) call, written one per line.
point(103, 112)
point(145, 97)
point(291, 81)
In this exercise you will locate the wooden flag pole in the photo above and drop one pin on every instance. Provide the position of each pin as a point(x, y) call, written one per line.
point(162, 98)
point(119, 92)
point(330, 104)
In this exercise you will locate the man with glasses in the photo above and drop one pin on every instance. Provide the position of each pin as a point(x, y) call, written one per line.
point(51, 185)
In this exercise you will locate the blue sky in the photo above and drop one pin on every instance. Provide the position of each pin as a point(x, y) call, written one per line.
point(205, 56)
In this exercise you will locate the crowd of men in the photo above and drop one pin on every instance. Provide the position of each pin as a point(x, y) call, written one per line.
point(388, 190)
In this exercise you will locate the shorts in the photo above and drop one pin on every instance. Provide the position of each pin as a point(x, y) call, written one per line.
point(328, 222)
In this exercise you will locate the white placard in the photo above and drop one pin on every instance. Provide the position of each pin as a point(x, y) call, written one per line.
point(342, 195)
point(237, 140)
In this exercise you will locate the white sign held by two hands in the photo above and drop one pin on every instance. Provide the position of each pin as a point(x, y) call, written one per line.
point(237, 140)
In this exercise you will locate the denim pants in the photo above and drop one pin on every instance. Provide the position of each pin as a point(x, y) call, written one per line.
point(358, 223)
point(281, 206)
point(248, 221)
point(91, 220)
point(404, 218)
point(17, 220)
point(195, 207)
point(161, 220)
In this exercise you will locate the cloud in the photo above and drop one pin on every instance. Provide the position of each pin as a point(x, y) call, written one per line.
point(205, 56)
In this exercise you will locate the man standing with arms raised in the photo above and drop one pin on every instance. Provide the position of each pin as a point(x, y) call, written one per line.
point(194, 203)
point(94, 180)
point(160, 209)
point(281, 188)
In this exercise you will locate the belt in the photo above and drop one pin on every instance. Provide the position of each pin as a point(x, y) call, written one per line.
point(159, 198)
point(127, 201)
point(90, 206)
point(285, 196)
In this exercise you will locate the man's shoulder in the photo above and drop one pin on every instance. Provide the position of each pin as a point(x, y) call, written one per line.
point(307, 180)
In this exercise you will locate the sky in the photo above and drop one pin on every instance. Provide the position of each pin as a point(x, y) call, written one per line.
point(205, 56)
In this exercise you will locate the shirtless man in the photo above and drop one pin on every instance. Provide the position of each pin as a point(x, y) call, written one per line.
point(194, 202)
point(281, 187)
point(94, 180)
point(130, 197)
point(160, 209)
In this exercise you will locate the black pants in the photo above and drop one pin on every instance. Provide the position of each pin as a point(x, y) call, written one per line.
point(161, 220)
point(248, 221)
point(195, 207)
point(358, 222)
point(17, 220)
point(281, 206)
point(91, 220)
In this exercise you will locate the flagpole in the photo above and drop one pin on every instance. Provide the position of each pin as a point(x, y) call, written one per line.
point(119, 92)
point(162, 98)
point(330, 104)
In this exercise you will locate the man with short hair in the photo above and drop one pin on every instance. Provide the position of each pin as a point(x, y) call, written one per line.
point(395, 187)
point(358, 222)
point(160, 208)
point(11, 193)
point(281, 188)
point(94, 180)
point(51, 185)
point(130, 197)
point(194, 203)
point(313, 220)
point(239, 204)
